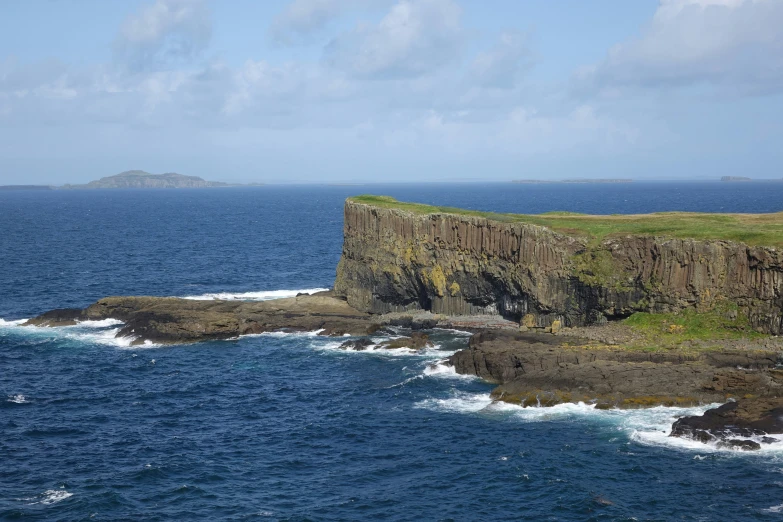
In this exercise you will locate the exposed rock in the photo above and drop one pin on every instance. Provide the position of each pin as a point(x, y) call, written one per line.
point(395, 260)
point(416, 341)
point(743, 418)
point(534, 369)
point(357, 345)
point(59, 317)
point(168, 320)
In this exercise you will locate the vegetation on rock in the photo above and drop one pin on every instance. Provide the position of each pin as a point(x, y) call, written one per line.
point(753, 229)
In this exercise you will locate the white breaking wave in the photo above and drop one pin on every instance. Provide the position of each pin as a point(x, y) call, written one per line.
point(775, 509)
point(254, 296)
point(459, 403)
point(18, 399)
point(103, 323)
point(444, 370)
point(376, 349)
point(9, 324)
point(98, 332)
point(51, 496)
point(649, 426)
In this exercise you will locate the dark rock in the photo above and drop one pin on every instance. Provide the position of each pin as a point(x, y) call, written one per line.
point(357, 345)
point(413, 323)
point(168, 320)
point(395, 260)
point(536, 369)
point(416, 341)
point(743, 418)
point(59, 317)
point(739, 444)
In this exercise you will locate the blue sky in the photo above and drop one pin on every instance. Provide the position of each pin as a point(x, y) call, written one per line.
point(391, 90)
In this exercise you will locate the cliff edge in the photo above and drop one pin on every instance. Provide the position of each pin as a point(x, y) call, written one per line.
point(576, 269)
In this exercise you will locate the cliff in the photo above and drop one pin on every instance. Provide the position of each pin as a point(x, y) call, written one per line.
point(578, 270)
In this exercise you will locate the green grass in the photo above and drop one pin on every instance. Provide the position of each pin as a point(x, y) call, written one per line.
point(698, 328)
point(753, 229)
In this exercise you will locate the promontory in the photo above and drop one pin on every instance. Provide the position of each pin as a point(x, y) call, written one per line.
point(622, 311)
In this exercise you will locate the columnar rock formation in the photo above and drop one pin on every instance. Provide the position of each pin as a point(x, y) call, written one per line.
point(397, 260)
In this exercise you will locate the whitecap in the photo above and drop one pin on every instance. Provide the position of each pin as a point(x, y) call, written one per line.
point(443, 369)
point(459, 403)
point(50, 496)
point(647, 426)
point(434, 351)
point(103, 323)
point(9, 324)
point(775, 509)
point(18, 399)
point(253, 296)
point(284, 334)
point(98, 332)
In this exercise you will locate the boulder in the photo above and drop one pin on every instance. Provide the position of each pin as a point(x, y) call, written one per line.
point(751, 417)
point(416, 341)
point(357, 344)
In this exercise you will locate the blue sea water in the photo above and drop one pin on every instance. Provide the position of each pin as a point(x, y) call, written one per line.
point(287, 427)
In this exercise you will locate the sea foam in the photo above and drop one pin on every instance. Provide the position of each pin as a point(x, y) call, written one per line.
point(253, 296)
point(442, 369)
point(98, 332)
point(48, 497)
point(647, 426)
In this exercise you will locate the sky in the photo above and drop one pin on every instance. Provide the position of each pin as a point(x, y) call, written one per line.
point(346, 91)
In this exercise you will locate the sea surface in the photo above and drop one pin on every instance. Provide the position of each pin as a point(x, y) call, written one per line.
point(287, 426)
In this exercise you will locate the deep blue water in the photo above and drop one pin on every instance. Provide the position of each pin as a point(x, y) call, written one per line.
point(286, 427)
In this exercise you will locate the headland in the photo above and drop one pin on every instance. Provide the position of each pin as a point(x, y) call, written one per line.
point(619, 311)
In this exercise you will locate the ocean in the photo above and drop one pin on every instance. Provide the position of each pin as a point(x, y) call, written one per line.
point(287, 426)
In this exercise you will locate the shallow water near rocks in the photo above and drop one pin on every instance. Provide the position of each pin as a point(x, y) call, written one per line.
point(288, 426)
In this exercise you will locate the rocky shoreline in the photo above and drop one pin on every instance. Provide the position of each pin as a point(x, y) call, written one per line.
point(529, 368)
point(545, 307)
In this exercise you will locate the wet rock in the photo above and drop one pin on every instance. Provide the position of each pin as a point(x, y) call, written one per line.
point(739, 444)
point(416, 341)
point(532, 369)
point(59, 317)
point(166, 320)
point(743, 418)
point(357, 345)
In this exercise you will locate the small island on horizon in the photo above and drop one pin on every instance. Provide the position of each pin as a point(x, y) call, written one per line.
point(574, 180)
point(137, 179)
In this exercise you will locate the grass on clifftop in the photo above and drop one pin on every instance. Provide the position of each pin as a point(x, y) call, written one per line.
point(753, 229)
point(689, 329)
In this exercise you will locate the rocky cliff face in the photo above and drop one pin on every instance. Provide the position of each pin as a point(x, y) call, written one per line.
point(395, 260)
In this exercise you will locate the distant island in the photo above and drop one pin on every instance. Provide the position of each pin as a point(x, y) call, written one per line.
point(141, 179)
point(135, 179)
point(26, 187)
point(578, 180)
point(735, 178)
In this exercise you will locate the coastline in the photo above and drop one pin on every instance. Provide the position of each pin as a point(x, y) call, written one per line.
point(535, 354)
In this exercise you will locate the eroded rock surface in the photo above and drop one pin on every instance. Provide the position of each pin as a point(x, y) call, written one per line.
point(536, 369)
point(395, 260)
point(743, 418)
point(169, 320)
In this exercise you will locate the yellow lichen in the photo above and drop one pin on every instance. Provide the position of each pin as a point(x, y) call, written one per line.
point(454, 288)
point(437, 279)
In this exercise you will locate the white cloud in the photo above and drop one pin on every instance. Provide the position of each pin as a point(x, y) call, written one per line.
point(501, 66)
point(302, 17)
point(165, 33)
point(415, 37)
point(736, 44)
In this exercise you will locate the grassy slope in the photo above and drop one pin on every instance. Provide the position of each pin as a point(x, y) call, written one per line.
point(753, 229)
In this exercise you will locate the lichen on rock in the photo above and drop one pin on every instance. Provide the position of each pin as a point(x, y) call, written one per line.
point(397, 260)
